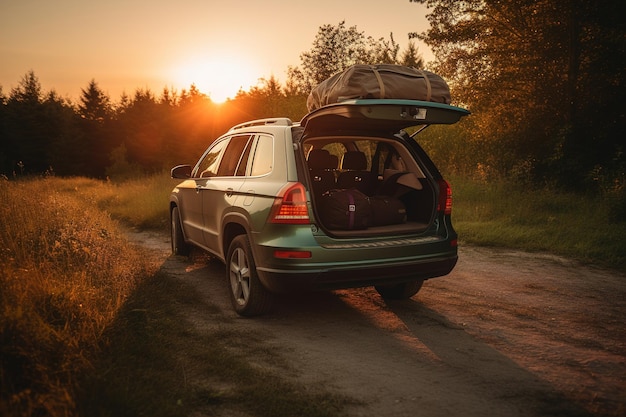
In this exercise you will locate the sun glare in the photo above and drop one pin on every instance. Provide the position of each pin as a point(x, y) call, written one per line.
point(219, 77)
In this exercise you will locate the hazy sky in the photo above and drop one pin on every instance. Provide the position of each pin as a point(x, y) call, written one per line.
point(218, 45)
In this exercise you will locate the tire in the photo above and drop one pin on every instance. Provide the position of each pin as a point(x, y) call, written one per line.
point(248, 296)
point(179, 246)
point(400, 291)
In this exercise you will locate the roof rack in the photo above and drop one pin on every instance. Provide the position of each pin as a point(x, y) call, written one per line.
point(277, 121)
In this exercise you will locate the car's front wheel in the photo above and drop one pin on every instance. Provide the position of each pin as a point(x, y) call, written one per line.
point(179, 246)
point(400, 291)
point(248, 296)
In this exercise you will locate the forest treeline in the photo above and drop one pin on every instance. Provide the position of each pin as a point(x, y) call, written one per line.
point(544, 81)
point(43, 133)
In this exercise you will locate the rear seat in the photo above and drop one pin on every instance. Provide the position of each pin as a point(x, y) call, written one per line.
point(355, 174)
point(322, 166)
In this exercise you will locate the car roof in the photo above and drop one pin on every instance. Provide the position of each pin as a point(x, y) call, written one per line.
point(379, 116)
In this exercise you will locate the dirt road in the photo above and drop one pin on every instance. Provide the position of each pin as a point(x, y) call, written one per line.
point(506, 334)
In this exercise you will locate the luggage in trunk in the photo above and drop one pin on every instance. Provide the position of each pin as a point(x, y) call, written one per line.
point(344, 209)
point(387, 210)
point(383, 81)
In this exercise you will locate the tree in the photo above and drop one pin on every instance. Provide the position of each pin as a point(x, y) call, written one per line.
point(263, 100)
point(411, 57)
point(66, 152)
point(96, 112)
point(542, 78)
point(39, 132)
point(141, 126)
point(94, 104)
point(26, 133)
point(28, 90)
point(336, 48)
point(383, 51)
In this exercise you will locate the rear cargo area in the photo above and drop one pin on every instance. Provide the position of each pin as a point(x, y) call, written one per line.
point(365, 186)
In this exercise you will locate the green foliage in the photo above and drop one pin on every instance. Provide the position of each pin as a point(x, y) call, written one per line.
point(613, 190)
point(507, 214)
point(544, 81)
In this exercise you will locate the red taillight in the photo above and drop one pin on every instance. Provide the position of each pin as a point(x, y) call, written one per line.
point(290, 205)
point(445, 197)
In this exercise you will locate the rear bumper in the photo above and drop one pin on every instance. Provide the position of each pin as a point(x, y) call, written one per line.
point(350, 276)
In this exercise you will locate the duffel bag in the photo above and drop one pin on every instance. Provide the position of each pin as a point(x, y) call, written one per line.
point(387, 210)
point(344, 209)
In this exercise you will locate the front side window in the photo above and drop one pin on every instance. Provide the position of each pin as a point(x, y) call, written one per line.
point(207, 167)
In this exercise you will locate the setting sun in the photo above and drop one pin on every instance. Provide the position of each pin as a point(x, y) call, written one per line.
point(219, 76)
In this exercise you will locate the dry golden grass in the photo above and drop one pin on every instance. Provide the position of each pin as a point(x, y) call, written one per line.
point(65, 271)
point(88, 326)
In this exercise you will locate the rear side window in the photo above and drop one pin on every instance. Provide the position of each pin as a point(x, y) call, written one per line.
point(263, 156)
point(243, 164)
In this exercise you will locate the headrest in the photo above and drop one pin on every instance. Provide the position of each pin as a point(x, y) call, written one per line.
point(320, 159)
point(354, 160)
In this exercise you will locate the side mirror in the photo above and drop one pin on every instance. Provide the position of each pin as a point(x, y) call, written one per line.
point(181, 172)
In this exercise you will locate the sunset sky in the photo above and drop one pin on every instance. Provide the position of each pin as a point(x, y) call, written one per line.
point(220, 46)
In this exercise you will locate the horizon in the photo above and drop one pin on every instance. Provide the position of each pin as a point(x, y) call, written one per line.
point(125, 47)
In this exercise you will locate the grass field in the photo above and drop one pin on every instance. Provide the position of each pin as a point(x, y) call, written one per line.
point(502, 214)
point(74, 292)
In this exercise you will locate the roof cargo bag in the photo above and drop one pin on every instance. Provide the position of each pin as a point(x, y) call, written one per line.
point(383, 81)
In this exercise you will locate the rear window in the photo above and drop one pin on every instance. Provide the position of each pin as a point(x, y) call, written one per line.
point(378, 154)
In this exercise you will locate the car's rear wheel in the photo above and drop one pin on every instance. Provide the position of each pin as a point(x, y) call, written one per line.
point(248, 296)
point(179, 246)
point(400, 291)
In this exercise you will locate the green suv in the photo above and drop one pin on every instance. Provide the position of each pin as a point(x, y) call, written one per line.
point(345, 198)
